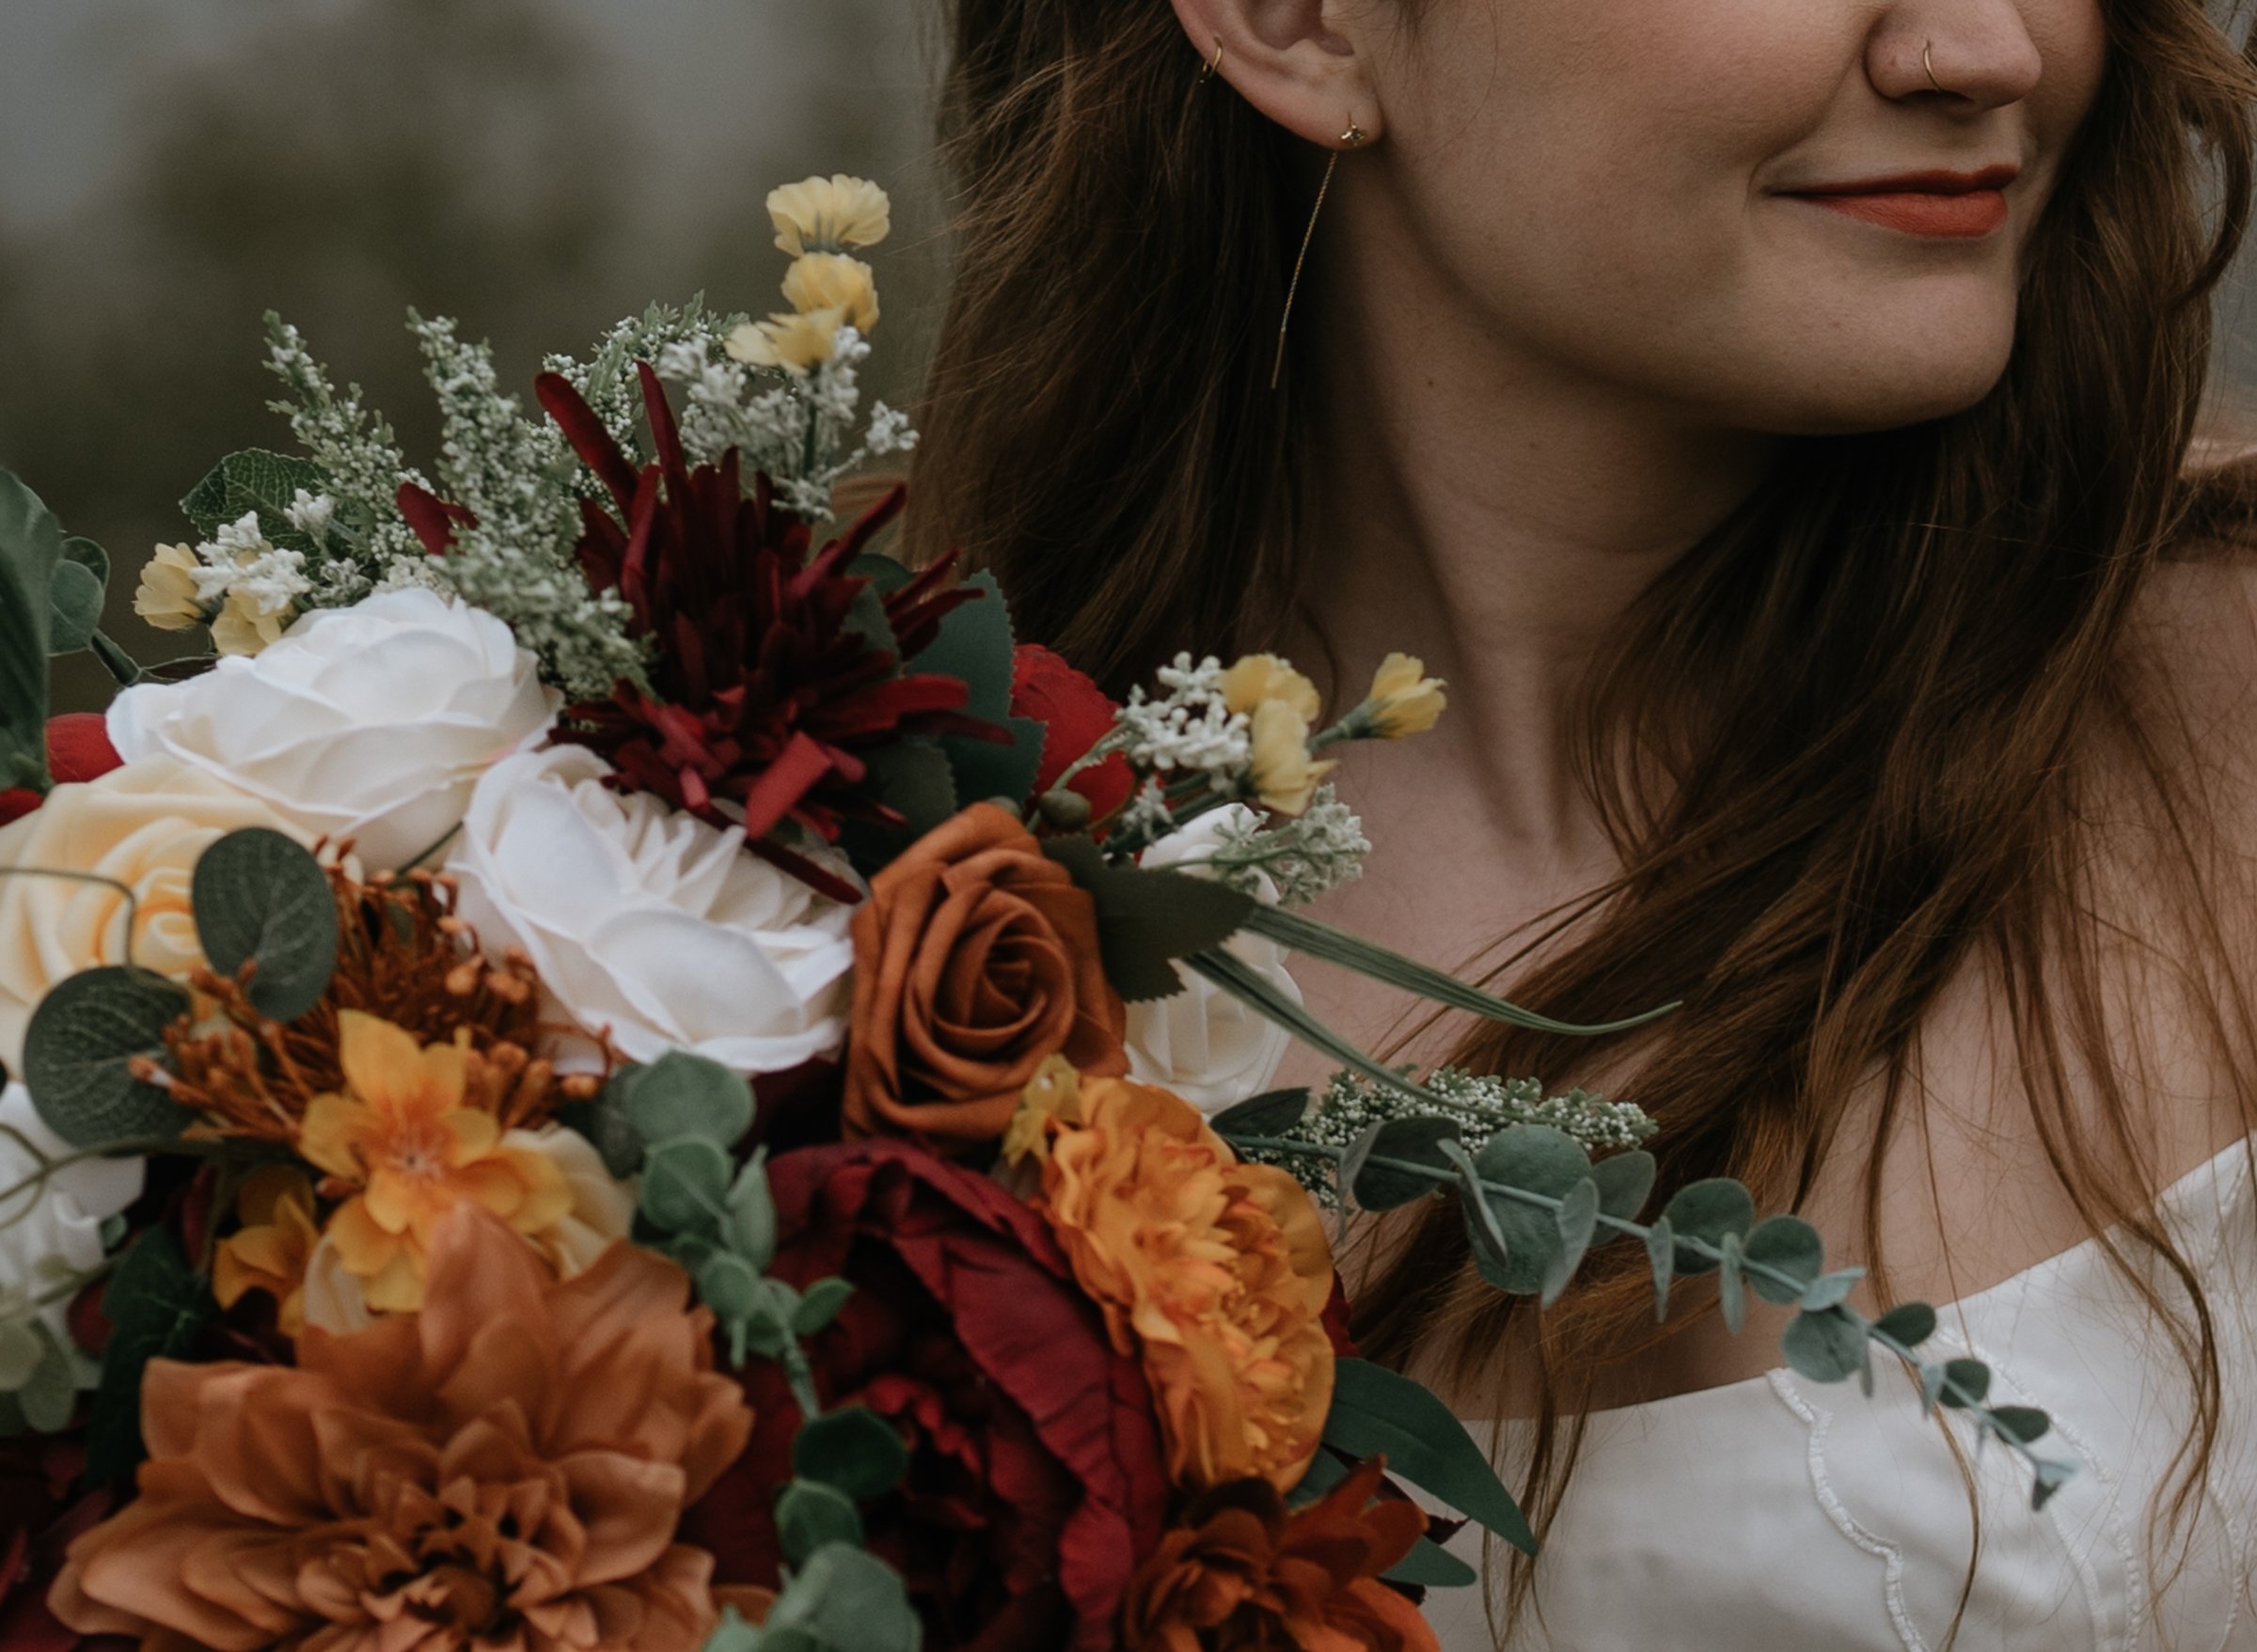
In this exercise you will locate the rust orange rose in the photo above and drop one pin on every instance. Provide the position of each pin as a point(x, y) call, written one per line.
point(1216, 1272)
point(975, 958)
point(506, 1468)
point(1240, 1574)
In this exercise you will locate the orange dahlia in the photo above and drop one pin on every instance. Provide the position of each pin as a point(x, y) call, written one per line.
point(1216, 1272)
point(505, 1469)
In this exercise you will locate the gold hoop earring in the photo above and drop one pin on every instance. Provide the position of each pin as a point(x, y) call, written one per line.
point(1211, 70)
point(1925, 49)
point(1352, 139)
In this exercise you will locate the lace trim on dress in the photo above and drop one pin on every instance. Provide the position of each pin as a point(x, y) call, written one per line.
point(1818, 1420)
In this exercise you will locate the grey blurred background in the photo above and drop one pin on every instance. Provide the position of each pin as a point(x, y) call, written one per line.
point(169, 169)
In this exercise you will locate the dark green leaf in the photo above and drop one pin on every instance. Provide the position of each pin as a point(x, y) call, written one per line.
point(157, 1307)
point(1970, 1383)
point(1708, 1211)
point(1625, 1183)
point(1413, 1140)
point(31, 547)
point(254, 480)
point(1789, 1245)
point(685, 1186)
point(1431, 1566)
point(975, 645)
point(810, 1513)
point(1577, 1218)
point(1492, 1257)
point(75, 598)
point(2051, 1476)
point(1377, 1412)
point(1536, 1160)
point(990, 768)
point(89, 556)
point(1325, 1470)
point(1307, 935)
point(79, 1049)
point(1147, 919)
point(820, 1305)
point(2020, 1424)
point(1825, 1347)
point(853, 1449)
point(260, 896)
point(913, 777)
point(603, 1123)
point(1910, 1323)
point(1273, 1112)
point(686, 1095)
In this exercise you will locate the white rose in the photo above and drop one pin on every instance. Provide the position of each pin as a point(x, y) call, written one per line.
point(1202, 1043)
point(51, 1235)
point(647, 923)
point(371, 722)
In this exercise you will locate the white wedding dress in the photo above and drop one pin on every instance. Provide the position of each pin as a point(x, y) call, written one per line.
point(1777, 1515)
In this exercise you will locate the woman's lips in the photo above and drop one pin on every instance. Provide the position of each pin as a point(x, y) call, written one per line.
point(1934, 201)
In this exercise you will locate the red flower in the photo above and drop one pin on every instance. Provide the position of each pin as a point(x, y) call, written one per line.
point(1035, 1484)
point(78, 749)
point(770, 690)
point(1077, 714)
point(39, 1518)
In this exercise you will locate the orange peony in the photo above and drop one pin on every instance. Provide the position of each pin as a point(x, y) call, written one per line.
point(411, 1140)
point(1240, 1574)
point(505, 1469)
point(1217, 1271)
point(975, 957)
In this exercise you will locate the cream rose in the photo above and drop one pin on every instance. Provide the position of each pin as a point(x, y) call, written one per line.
point(371, 722)
point(143, 826)
point(648, 922)
point(51, 1233)
point(1202, 1043)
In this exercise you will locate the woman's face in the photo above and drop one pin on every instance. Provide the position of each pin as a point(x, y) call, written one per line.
point(1623, 189)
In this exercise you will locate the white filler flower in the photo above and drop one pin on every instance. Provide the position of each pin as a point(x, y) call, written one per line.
point(1202, 1043)
point(50, 1236)
point(371, 722)
point(650, 923)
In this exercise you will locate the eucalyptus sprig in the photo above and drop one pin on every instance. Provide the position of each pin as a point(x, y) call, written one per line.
point(1535, 1203)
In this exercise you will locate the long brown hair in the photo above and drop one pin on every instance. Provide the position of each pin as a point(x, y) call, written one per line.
point(1911, 649)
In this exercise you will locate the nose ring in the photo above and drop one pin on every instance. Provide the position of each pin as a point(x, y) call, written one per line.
point(1926, 48)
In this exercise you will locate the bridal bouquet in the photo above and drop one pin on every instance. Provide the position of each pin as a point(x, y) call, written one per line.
point(614, 1068)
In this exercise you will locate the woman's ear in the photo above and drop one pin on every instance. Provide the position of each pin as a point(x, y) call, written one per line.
point(1287, 59)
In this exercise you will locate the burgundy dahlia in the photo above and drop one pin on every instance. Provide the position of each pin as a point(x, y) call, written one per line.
point(770, 686)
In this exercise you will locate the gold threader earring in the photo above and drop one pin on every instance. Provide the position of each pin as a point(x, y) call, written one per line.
point(1352, 139)
point(1211, 70)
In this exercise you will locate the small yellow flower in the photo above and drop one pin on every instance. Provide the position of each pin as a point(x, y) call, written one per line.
point(1403, 699)
point(167, 596)
point(830, 214)
point(1053, 1095)
point(831, 280)
point(274, 1246)
point(1284, 775)
point(243, 628)
point(794, 343)
point(1261, 678)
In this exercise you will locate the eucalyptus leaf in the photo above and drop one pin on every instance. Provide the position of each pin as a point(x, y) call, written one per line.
point(80, 1047)
point(261, 898)
point(50, 1396)
point(1791, 1246)
point(1414, 1141)
point(1909, 1323)
point(1491, 1256)
point(2052, 1476)
point(1538, 1160)
point(686, 1095)
point(728, 1285)
point(752, 1213)
point(685, 1186)
point(1826, 1347)
point(810, 1513)
point(1661, 1252)
point(1377, 1412)
point(1731, 1284)
point(1577, 1218)
point(1625, 1183)
point(1269, 1114)
point(1970, 1378)
point(1830, 1288)
point(853, 1450)
point(843, 1599)
point(2020, 1424)
point(604, 1126)
point(820, 1305)
point(1706, 1211)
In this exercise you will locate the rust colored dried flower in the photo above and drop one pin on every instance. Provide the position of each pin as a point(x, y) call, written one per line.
point(505, 1469)
point(403, 957)
point(1241, 1574)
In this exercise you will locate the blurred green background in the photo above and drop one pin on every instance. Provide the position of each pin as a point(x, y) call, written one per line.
point(169, 169)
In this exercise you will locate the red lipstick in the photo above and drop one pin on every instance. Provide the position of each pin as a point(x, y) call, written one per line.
point(1949, 205)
